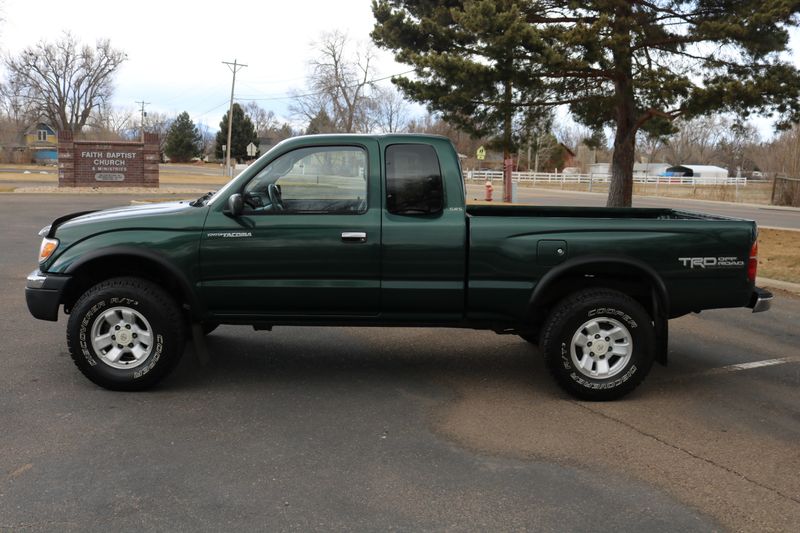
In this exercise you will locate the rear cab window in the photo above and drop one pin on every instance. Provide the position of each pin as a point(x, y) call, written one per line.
point(413, 180)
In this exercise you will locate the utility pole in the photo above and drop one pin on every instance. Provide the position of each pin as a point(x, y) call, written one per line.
point(235, 67)
point(143, 103)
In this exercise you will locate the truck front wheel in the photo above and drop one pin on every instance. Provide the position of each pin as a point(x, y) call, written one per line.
point(125, 334)
point(598, 344)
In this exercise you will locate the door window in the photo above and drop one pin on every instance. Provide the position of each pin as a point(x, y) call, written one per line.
point(321, 179)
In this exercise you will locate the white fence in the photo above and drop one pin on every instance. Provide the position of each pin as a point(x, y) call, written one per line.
point(550, 178)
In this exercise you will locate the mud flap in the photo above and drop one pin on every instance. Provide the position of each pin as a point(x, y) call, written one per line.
point(199, 341)
point(661, 326)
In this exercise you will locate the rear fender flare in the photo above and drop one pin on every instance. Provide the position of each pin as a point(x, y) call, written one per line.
point(660, 296)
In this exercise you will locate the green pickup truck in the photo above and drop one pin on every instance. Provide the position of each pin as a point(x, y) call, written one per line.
point(373, 230)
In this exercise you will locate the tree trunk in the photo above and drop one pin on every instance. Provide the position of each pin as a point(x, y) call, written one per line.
point(620, 193)
point(507, 139)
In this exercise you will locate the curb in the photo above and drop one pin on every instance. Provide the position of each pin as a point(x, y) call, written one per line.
point(787, 286)
point(777, 228)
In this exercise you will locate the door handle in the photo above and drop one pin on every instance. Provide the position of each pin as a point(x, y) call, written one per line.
point(354, 236)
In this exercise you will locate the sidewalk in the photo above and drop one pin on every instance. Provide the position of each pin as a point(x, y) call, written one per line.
point(793, 288)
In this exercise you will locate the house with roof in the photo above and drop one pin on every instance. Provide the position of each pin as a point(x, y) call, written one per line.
point(42, 142)
point(640, 170)
point(697, 171)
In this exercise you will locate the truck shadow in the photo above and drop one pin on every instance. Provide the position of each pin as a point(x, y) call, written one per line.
point(308, 354)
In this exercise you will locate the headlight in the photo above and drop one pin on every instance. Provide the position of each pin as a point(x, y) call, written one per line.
point(44, 231)
point(47, 248)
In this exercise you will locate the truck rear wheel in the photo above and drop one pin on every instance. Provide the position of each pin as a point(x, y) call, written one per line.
point(125, 334)
point(598, 344)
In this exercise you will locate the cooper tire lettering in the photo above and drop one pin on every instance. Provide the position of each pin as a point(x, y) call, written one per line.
point(601, 308)
point(159, 314)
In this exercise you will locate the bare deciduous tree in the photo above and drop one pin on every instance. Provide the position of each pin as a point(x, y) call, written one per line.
point(465, 143)
point(781, 157)
point(264, 120)
point(113, 122)
point(736, 149)
point(66, 79)
point(339, 84)
point(154, 122)
point(697, 140)
point(390, 110)
point(649, 147)
point(17, 107)
point(567, 131)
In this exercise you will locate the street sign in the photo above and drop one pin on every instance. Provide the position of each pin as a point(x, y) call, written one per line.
point(481, 153)
point(252, 150)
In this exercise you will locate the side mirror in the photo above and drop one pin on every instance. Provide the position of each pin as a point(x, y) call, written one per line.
point(235, 205)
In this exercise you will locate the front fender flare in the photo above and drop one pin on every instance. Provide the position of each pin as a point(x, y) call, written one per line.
point(196, 308)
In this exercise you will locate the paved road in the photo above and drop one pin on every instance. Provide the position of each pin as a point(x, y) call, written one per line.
point(764, 215)
point(319, 429)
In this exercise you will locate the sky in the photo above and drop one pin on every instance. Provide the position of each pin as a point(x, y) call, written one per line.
point(176, 49)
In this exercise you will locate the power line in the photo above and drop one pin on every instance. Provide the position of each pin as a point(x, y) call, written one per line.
point(289, 97)
point(213, 108)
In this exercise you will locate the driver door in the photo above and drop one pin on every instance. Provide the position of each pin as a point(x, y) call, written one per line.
point(307, 243)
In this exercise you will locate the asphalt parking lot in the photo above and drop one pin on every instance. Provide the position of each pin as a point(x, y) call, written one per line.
point(392, 429)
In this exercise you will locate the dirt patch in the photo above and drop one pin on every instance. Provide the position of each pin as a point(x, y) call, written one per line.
point(192, 179)
point(779, 254)
point(49, 177)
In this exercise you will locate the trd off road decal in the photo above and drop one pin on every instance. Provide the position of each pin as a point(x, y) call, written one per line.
point(711, 262)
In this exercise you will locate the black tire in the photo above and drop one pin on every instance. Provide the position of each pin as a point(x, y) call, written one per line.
point(565, 341)
point(152, 313)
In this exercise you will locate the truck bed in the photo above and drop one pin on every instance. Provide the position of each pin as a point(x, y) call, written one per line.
point(511, 249)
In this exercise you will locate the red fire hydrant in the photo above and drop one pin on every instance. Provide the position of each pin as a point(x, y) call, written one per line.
point(489, 190)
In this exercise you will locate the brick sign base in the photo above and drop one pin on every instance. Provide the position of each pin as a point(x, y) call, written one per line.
point(107, 164)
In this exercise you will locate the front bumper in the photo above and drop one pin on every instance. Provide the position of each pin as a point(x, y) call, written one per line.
point(760, 300)
point(43, 294)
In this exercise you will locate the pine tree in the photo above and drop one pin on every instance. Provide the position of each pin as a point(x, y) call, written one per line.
point(465, 62)
point(242, 133)
point(627, 64)
point(321, 123)
point(183, 139)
